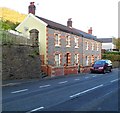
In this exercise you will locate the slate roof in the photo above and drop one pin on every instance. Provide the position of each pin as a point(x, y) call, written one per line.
point(106, 40)
point(64, 28)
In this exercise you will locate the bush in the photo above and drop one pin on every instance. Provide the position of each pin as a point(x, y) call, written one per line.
point(112, 57)
point(114, 53)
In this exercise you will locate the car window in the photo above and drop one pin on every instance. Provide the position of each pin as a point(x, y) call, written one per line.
point(110, 62)
point(107, 61)
point(100, 62)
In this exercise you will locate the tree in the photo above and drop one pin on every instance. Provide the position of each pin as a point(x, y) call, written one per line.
point(118, 43)
point(8, 25)
point(4, 26)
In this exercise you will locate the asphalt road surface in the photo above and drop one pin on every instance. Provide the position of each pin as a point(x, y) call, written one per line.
point(87, 92)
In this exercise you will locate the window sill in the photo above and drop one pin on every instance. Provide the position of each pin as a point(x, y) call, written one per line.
point(57, 45)
point(76, 47)
point(68, 46)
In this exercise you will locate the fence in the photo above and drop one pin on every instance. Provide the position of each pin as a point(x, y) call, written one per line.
point(9, 38)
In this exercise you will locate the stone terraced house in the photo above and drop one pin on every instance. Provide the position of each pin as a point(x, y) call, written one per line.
point(63, 49)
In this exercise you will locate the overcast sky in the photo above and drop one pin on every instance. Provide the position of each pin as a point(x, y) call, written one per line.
point(101, 15)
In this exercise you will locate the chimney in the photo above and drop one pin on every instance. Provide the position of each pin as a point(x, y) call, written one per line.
point(90, 30)
point(69, 22)
point(31, 8)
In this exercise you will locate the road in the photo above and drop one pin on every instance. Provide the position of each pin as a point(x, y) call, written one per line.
point(87, 92)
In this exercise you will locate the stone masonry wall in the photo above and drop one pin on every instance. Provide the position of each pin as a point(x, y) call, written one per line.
point(20, 62)
point(52, 49)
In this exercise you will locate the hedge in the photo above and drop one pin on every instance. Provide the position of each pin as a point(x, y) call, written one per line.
point(112, 57)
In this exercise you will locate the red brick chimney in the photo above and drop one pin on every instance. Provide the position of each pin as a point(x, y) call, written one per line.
point(69, 22)
point(90, 30)
point(31, 8)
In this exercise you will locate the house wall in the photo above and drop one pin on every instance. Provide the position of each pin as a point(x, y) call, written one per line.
point(108, 46)
point(48, 49)
point(96, 54)
point(62, 49)
point(31, 22)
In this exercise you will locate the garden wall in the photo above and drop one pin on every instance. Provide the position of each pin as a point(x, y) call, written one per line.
point(20, 62)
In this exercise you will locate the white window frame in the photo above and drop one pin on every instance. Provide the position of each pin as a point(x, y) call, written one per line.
point(68, 41)
point(87, 60)
point(76, 58)
point(76, 42)
point(57, 61)
point(57, 41)
point(93, 46)
point(98, 57)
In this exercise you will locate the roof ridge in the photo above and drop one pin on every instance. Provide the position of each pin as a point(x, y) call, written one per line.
point(51, 21)
point(72, 30)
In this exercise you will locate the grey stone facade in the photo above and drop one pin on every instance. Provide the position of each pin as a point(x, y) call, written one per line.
point(62, 49)
point(96, 53)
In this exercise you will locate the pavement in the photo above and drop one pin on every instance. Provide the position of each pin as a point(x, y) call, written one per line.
point(23, 81)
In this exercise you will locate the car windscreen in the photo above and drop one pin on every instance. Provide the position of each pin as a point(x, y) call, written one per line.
point(100, 62)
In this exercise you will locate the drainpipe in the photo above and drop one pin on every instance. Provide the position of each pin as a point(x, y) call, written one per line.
point(82, 50)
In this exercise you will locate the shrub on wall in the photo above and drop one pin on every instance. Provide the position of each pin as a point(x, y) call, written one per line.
point(113, 56)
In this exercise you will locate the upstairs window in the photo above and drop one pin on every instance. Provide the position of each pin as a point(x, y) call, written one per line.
point(57, 59)
point(57, 39)
point(76, 42)
point(67, 41)
point(93, 46)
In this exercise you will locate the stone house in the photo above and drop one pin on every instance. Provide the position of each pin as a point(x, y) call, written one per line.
point(62, 48)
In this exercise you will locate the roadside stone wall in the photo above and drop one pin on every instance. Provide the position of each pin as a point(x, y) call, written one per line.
point(20, 62)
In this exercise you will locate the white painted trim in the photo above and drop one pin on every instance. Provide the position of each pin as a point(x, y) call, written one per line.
point(38, 19)
point(30, 15)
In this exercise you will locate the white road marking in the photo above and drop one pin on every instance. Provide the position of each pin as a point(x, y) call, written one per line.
point(10, 84)
point(35, 110)
point(99, 108)
point(44, 86)
point(114, 80)
point(77, 79)
point(86, 77)
point(108, 93)
point(62, 82)
point(19, 91)
point(86, 91)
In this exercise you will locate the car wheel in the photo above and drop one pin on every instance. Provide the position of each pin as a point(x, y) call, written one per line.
point(104, 71)
point(91, 71)
point(110, 69)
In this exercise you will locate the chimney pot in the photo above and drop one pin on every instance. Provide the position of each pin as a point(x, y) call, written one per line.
point(90, 30)
point(31, 8)
point(69, 22)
